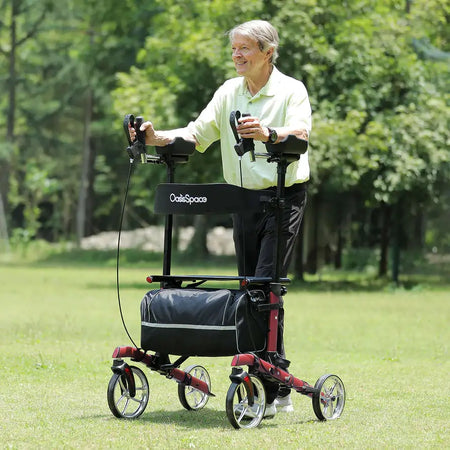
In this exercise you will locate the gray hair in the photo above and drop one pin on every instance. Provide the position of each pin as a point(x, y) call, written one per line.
point(265, 34)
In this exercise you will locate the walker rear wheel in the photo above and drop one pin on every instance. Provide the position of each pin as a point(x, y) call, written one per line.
point(329, 400)
point(239, 412)
point(191, 398)
point(120, 402)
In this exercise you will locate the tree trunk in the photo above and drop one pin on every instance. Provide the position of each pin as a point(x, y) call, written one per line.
point(339, 247)
point(198, 245)
point(384, 239)
point(5, 166)
point(3, 229)
point(418, 237)
point(408, 6)
point(396, 244)
point(313, 256)
point(86, 168)
point(12, 75)
point(10, 121)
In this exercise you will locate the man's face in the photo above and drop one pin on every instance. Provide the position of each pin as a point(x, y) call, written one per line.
point(247, 56)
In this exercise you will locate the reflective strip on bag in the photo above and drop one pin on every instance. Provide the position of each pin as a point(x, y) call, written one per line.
point(189, 326)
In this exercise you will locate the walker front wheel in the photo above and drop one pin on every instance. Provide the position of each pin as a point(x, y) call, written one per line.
point(120, 401)
point(239, 412)
point(329, 399)
point(191, 398)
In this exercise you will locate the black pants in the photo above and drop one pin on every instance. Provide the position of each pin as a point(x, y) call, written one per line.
point(254, 239)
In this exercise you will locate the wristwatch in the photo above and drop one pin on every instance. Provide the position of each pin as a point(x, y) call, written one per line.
point(273, 135)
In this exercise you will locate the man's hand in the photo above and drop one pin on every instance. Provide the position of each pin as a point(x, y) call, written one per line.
point(302, 134)
point(250, 128)
point(147, 127)
point(151, 136)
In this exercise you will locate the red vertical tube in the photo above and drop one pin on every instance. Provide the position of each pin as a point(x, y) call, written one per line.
point(273, 324)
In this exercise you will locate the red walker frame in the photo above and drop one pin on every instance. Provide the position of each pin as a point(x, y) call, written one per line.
point(328, 394)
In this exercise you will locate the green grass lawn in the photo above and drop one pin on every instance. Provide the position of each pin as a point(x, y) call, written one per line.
point(59, 324)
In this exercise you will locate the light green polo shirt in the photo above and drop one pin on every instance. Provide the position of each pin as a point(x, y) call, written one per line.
point(283, 101)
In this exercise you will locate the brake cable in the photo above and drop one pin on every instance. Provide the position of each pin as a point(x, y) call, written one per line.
point(134, 149)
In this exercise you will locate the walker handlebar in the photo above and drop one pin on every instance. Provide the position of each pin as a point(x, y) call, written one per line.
point(289, 148)
point(177, 151)
point(243, 145)
point(291, 145)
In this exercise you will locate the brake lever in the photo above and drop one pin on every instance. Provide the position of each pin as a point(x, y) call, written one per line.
point(140, 135)
point(137, 147)
point(234, 117)
point(243, 145)
point(127, 121)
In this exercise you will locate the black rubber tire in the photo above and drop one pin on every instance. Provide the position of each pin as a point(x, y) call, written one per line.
point(236, 404)
point(192, 399)
point(121, 404)
point(329, 400)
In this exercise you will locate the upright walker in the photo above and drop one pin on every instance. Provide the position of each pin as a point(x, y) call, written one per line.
point(184, 319)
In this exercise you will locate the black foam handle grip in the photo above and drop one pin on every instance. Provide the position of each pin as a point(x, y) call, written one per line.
point(140, 135)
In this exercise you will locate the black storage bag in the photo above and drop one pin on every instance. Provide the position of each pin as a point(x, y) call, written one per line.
point(202, 322)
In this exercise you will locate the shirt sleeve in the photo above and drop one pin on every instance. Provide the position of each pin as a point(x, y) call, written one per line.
point(298, 113)
point(206, 127)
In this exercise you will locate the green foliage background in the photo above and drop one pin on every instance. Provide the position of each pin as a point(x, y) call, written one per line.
point(376, 72)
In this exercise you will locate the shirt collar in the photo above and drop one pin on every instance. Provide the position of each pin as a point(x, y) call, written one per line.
point(270, 87)
point(268, 90)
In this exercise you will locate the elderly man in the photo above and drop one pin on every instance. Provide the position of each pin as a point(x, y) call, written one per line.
point(277, 106)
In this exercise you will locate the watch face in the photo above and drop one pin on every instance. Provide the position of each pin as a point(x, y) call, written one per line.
point(273, 136)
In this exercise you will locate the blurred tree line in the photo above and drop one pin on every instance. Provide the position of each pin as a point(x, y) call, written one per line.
point(376, 71)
